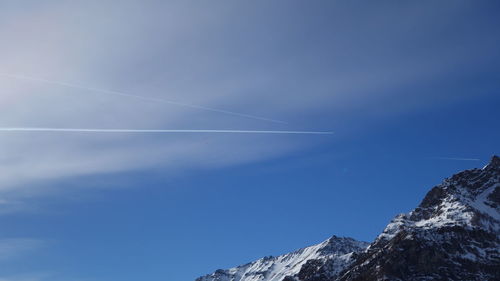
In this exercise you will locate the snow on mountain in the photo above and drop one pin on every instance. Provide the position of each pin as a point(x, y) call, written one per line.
point(338, 249)
point(454, 234)
point(466, 199)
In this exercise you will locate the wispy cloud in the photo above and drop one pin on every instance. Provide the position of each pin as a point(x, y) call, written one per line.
point(192, 66)
point(18, 247)
point(43, 276)
point(22, 278)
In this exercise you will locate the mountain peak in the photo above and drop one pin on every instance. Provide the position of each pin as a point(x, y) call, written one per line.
point(466, 198)
point(342, 245)
point(454, 234)
point(494, 163)
point(335, 253)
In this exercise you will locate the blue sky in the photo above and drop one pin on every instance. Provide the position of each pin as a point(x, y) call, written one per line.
point(403, 86)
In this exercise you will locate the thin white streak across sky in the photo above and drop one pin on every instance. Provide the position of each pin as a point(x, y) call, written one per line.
point(456, 158)
point(158, 131)
point(116, 93)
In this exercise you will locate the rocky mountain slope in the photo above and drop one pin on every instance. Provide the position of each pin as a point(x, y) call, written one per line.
point(454, 234)
point(337, 250)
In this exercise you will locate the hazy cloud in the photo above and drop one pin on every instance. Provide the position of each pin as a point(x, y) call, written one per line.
point(18, 247)
point(305, 70)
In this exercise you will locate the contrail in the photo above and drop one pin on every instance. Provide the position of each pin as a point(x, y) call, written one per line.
point(456, 158)
point(116, 93)
point(159, 131)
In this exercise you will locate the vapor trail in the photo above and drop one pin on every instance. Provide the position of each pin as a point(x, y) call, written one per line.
point(456, 158)
point(158, 131)
point(110, 92)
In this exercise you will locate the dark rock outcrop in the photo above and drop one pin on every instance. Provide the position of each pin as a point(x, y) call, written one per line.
point(454, 234)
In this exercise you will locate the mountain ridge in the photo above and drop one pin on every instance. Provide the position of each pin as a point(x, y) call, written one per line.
point(277, 268)
point(453, 234)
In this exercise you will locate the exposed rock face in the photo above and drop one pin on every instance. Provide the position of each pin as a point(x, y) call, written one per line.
point(454, 234)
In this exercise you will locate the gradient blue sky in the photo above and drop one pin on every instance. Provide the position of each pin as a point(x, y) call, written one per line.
point(403, 84)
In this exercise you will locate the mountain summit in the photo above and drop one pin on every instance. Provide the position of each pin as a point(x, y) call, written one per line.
point(336, 251)
point(454, 234)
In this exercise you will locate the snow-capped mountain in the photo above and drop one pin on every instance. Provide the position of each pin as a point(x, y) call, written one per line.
point(336, 250)
point(454, 234)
